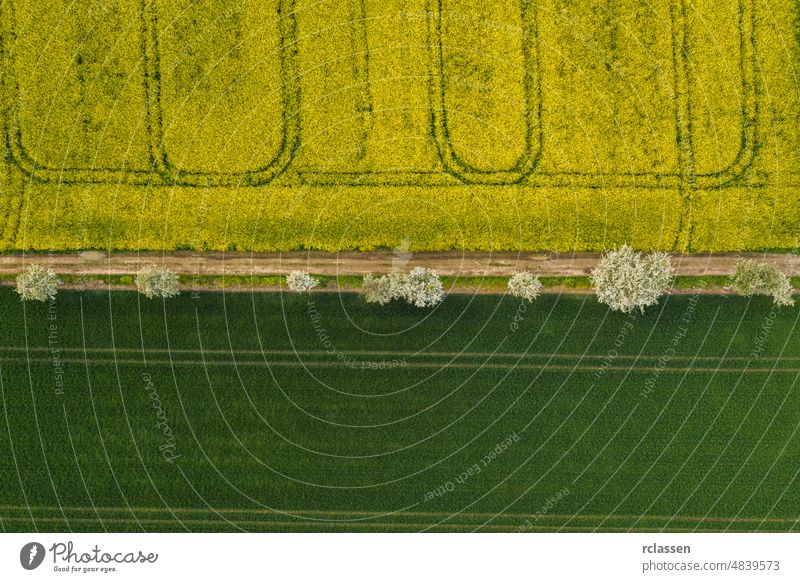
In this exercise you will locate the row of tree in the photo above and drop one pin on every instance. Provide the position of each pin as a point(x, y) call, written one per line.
point(40, 283)
point(625, 280)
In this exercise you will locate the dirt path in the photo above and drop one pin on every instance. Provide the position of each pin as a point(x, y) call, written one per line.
point(445, 263)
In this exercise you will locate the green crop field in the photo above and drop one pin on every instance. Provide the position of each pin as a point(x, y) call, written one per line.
point(268, 412)
point(508, 124)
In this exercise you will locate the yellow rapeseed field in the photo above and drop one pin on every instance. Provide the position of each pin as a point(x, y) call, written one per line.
point(357, 124)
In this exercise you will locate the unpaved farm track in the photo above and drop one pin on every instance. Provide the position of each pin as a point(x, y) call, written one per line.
point(343, 264)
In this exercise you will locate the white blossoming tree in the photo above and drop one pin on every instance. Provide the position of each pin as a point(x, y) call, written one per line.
point(525, 285)
point(754, 278)
point(300, 282)
point(37, 283)
point(421, 287)
point(382, 290)
point(627, 280)
point(155, 281)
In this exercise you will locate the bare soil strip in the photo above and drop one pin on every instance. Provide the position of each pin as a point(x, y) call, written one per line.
point(343, 264)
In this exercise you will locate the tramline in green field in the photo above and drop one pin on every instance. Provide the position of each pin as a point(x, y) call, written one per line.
point(353, 125)
point(269, 412)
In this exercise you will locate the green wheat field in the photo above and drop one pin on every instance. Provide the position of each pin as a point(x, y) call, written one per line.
point(268, 412)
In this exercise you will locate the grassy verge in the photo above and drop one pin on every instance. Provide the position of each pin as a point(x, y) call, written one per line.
point(489, 284)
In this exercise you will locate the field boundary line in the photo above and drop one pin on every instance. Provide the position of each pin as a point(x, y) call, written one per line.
point(448, 364)
point(531, 355)
point(293, 513)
